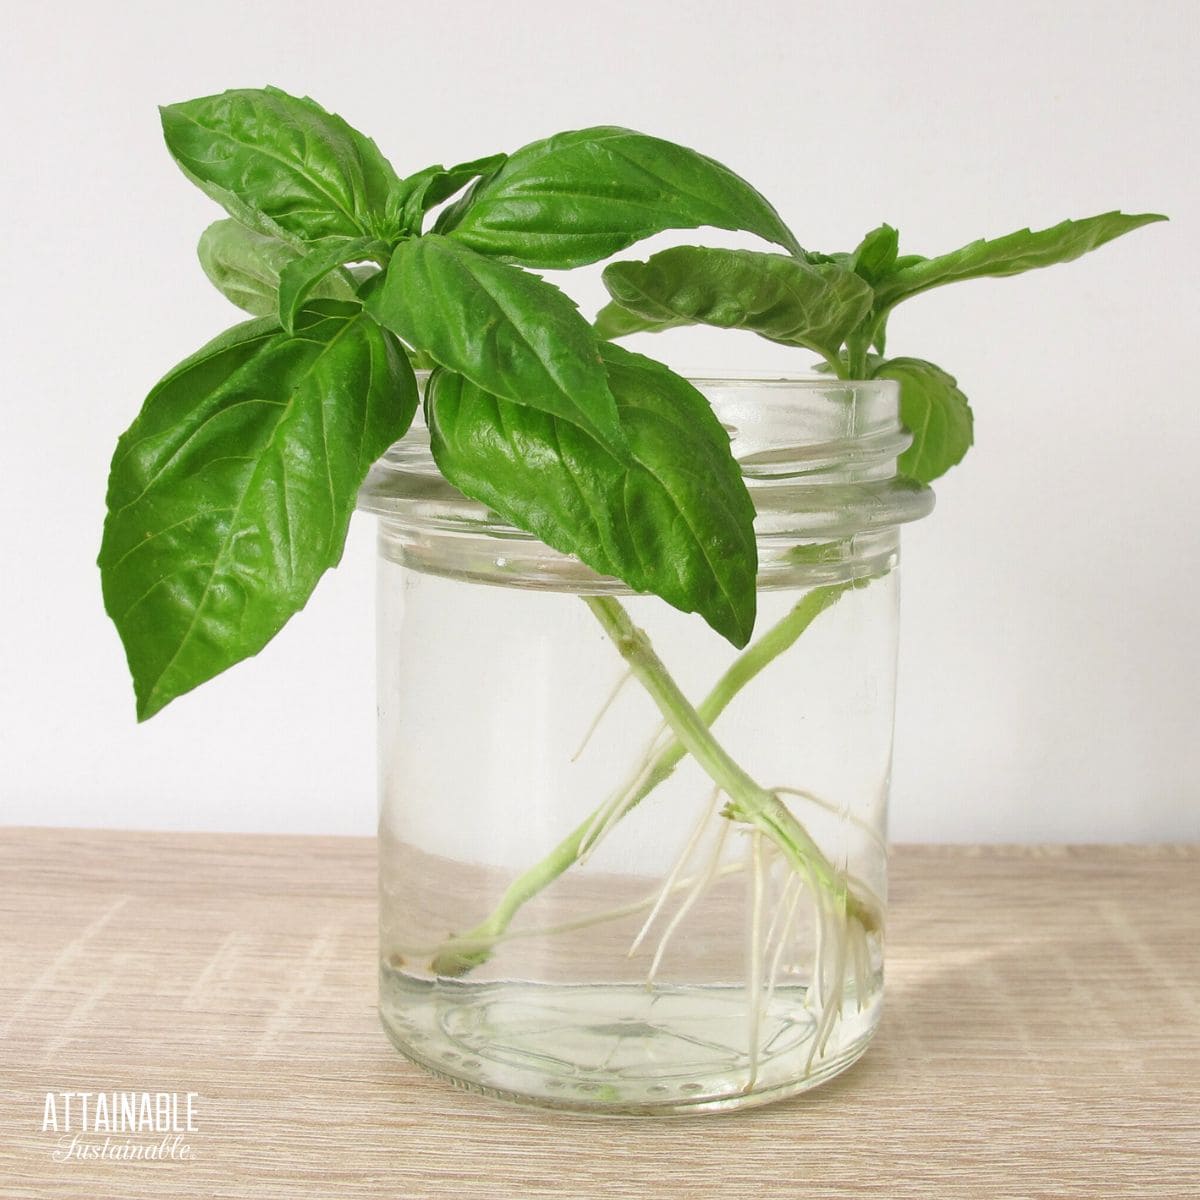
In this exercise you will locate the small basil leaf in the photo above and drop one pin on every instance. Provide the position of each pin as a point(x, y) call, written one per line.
point(1009, 255)
point(785, 299)
point(244, 266)
point(506, 330)
point(581, 196)
point(875, 255)
point(230, 494)
point(302, 275)
point(429, 187)
point(284, 166)
point(674, 519)
point(936, 413)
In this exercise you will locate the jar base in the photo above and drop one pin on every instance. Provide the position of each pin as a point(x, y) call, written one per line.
point(619, 1049)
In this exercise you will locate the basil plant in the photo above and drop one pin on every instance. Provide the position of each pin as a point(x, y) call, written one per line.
point(230, 494)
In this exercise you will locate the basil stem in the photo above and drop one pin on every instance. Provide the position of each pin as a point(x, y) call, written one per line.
point(472, 949)
point(748, 801)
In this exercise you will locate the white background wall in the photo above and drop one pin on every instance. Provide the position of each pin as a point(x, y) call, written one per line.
point(1050, 651)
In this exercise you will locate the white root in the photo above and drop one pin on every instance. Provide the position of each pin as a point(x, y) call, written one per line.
point(834, 1010)
point(817, 994)
point(685, 856)
point(815, 998)
point(788, 884)
point(608, 703)
point(832, 997)
point(754, 958)
point(851, 938)
point(862, 966)
point(838, 811)
point(840, 952)
point(608, 814)
point(694, 893)
point(785, 933)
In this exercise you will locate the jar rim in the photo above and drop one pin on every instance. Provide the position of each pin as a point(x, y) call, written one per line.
point(767, 380)
point(741, 377)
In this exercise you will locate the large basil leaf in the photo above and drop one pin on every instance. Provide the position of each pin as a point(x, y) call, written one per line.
point(285, 166)
point(782, 298)
point(506, 330)
point(674, 519)
point(231, 492)
point(244, 266)
point(936, 413)
point(578, 197)
point(429, 187)
point(1009, 255)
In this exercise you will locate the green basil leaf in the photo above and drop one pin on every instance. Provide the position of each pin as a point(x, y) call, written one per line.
point(245, 266)
point(875, 255)
point(674, 519)
point(506, 330)
point(302, 275)
point(578, 197)
point(1009, 255)
point(936, 413)
point(429, 187)
point(785, 299)
point(230, 494)
point(452, 213)
point(284, 166)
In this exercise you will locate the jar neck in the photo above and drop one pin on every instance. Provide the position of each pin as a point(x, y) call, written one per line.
point(819, 461)
point(823, 432)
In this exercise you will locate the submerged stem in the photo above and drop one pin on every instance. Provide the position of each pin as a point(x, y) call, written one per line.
point(655, 770)
point(749, 802)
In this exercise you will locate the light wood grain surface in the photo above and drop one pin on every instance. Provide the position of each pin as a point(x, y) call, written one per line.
point(1042, 1038)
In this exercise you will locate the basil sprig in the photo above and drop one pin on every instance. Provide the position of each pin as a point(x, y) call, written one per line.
point(230, 494)
point(786, 299)
point(838, 306)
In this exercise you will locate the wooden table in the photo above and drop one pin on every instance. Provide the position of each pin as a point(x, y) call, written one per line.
point(1042, 1038)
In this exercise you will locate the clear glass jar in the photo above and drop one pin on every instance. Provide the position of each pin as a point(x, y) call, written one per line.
point(593, 895)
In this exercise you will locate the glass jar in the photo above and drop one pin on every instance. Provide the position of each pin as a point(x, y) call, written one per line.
point(624, 867)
